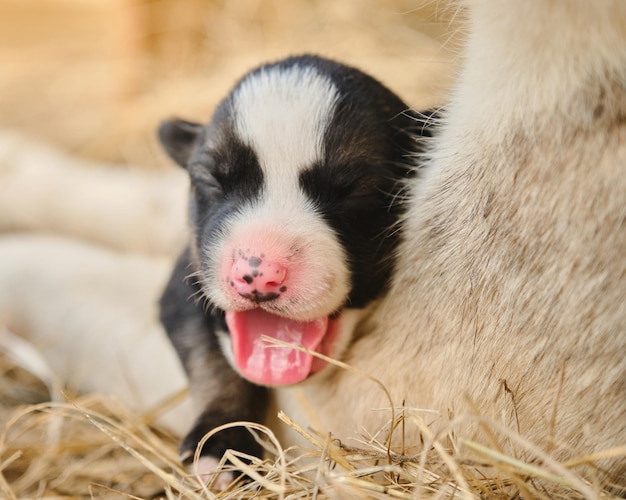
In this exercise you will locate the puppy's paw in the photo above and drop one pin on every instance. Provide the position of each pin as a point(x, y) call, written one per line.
point(207, 469)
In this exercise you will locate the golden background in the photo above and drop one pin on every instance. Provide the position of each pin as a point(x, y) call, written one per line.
point(97, 76)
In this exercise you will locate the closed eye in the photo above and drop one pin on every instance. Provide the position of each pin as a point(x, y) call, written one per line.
point(327, 183)
point(203, 180)
point(364, 187)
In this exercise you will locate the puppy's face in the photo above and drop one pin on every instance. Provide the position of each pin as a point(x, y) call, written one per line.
point(295, 186)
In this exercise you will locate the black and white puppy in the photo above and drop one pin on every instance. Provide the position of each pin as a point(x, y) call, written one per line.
point(296, 189)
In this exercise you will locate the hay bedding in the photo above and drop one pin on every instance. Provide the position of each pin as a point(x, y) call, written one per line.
point(91, 446)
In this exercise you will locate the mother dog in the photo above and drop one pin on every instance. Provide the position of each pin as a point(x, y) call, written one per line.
point(509, 299)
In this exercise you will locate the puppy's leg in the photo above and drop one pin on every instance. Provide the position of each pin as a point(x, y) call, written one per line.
point(220, 395)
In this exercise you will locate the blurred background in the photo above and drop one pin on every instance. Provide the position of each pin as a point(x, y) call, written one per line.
point(96, 76)
point(92, 212)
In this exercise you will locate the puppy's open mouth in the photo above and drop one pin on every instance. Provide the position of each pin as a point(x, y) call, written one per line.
point(265, 363)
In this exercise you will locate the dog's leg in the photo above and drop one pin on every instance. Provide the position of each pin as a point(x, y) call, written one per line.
point(220, 395)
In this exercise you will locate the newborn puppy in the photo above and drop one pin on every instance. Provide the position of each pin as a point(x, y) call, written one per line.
point(296, 191)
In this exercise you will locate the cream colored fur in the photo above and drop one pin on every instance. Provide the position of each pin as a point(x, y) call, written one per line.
point(43, 189)
point(92, 315)
point(510, 293)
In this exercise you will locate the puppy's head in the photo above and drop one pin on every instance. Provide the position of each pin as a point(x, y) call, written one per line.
point(295, 201)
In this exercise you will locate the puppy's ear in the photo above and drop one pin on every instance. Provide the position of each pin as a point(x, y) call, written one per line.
point(178, 138)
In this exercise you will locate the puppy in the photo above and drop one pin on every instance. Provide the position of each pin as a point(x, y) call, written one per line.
point(296, 189)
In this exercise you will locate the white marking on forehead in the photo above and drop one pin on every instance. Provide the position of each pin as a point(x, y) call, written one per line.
point(283, 114)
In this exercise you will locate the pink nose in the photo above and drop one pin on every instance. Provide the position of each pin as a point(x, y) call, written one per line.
point(258, 279)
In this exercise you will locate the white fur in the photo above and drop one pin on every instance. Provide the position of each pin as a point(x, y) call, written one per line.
point(283, 114)
point(206, 469)
point(43, 189)
point(318, 270)
point(511, 284)
point(92, 314)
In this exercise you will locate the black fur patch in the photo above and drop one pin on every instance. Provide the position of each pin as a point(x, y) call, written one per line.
point(193, 332)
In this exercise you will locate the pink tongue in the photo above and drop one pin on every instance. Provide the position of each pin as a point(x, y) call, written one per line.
point(267, 364)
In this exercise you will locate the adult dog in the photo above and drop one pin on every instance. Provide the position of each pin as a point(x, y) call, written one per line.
point(509, 297)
